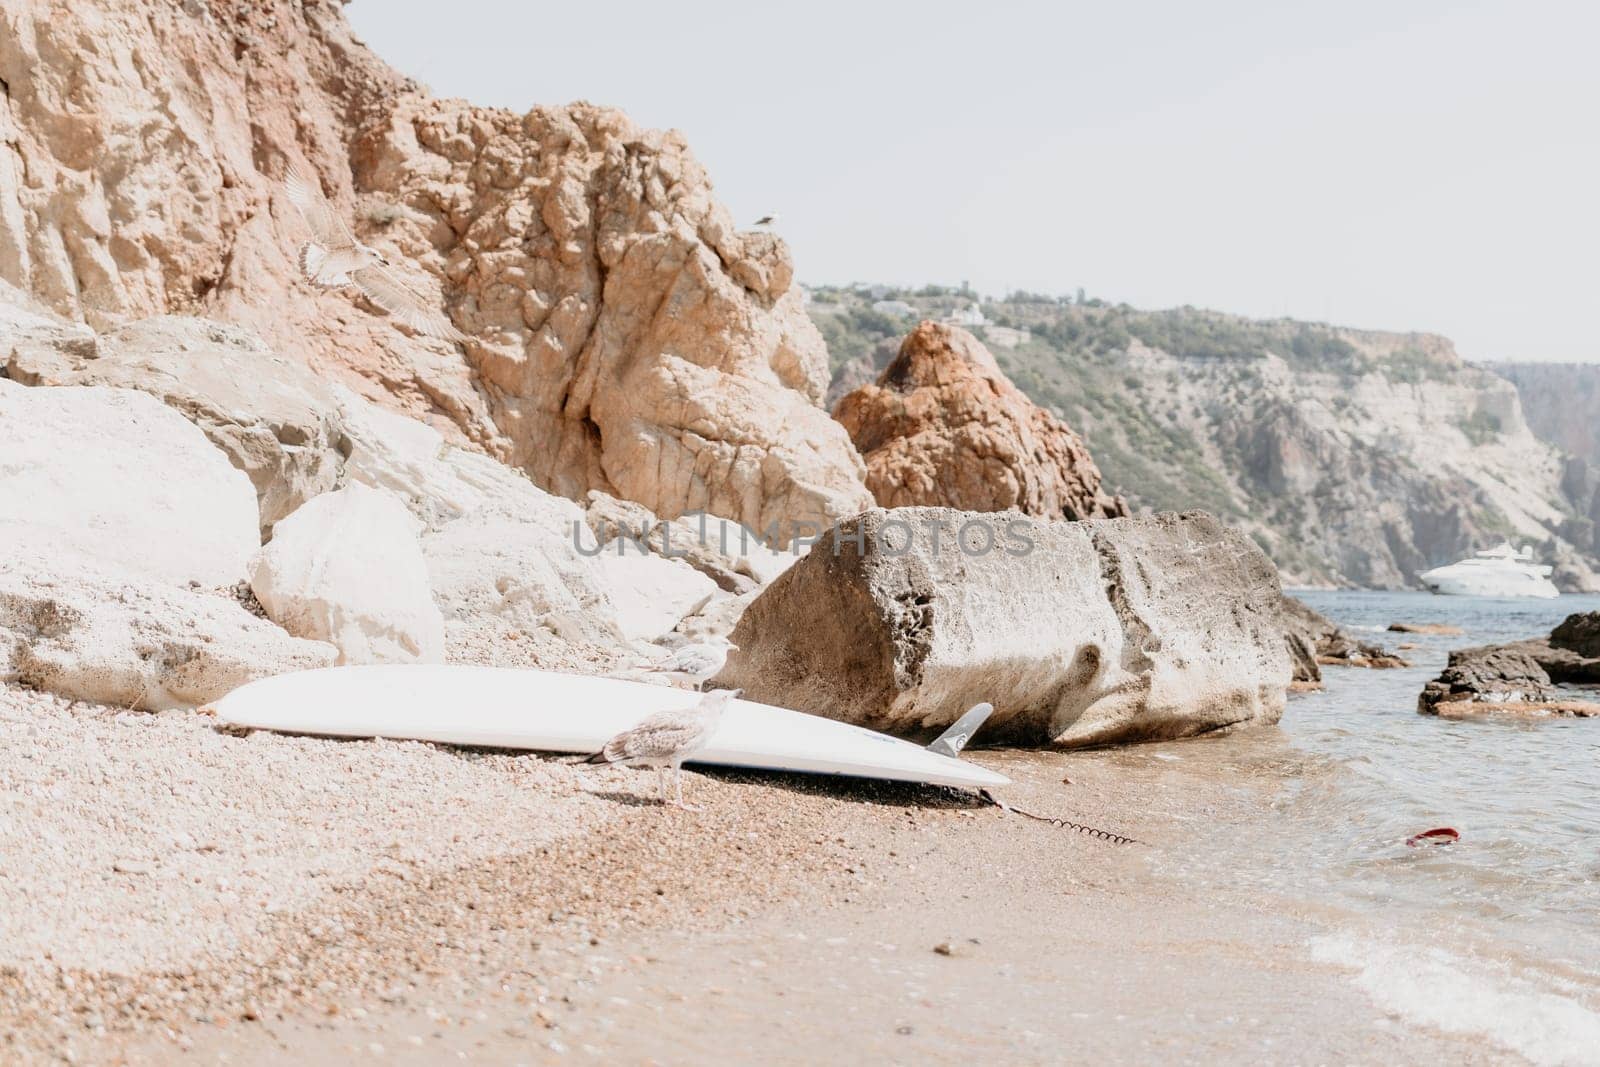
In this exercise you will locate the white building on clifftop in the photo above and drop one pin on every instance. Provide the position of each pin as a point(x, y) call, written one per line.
point(969, 315)
point(897, 308)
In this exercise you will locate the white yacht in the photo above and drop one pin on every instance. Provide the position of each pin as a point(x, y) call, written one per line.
point(1498, 571)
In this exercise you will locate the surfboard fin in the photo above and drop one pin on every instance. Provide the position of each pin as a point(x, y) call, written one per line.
point(952, 741)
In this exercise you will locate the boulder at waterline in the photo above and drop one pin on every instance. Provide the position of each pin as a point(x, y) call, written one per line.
point(1579, 634)
point(346, 568)
point(270, 415)
point(1505, 675)
point(87, 631)
point(1570, 655)
point(116, 476)
point(1079, 633)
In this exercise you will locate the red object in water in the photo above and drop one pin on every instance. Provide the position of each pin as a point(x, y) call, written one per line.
point(1439, 835)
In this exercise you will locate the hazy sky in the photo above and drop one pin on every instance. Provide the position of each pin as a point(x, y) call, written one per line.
point(1404, 164)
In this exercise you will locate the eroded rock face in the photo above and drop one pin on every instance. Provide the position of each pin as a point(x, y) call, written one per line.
point(115, 476)
point(89, 631)
point(1100, 632)
point(944, 426)
point(629, 338)
point(626, 337)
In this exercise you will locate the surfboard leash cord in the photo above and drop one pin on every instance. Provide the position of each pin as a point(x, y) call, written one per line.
point(1065, 824)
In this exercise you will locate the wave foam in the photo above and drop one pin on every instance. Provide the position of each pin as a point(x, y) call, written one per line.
point(1435, 988)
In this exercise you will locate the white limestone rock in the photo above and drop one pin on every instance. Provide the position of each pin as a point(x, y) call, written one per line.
point(116, 476)
point(491, 568)
point(87, 631)
point(651, 594)
point(273, 418)
point(347, 568)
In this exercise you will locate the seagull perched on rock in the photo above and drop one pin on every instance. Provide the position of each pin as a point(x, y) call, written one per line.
point(668, 738)
point(698, 662)
point(333, 259)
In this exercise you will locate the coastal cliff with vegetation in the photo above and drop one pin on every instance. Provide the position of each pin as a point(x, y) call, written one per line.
point(1353, 457)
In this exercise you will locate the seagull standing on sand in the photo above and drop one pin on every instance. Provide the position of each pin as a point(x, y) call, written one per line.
point(668, 738)
point(333, 259)
point(697, 663)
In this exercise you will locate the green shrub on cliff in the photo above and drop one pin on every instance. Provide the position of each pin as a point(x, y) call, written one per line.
point(1481, 427)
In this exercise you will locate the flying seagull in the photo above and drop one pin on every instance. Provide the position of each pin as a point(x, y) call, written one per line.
point(767, 221)
point(333, 259)
point(667, 738)
point(696, 663)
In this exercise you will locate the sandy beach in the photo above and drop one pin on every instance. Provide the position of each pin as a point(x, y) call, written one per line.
point(173, 893)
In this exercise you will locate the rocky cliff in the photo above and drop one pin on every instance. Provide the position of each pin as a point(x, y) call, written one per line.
point(1353, 457)
point(624, 335)
point(943, 426)
point(1561, 402)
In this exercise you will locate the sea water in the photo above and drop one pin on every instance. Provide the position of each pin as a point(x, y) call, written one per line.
point(1497, 935)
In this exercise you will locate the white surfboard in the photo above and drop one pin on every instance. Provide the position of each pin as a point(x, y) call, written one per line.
point(499, 707)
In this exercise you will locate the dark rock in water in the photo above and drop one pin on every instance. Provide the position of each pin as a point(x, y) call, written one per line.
point(1578, 633)
point(1313, 639)
point(1342, 650)
point(1520, 677)
point(1500, 675)
point(1571, 654)
point(1079, 633)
